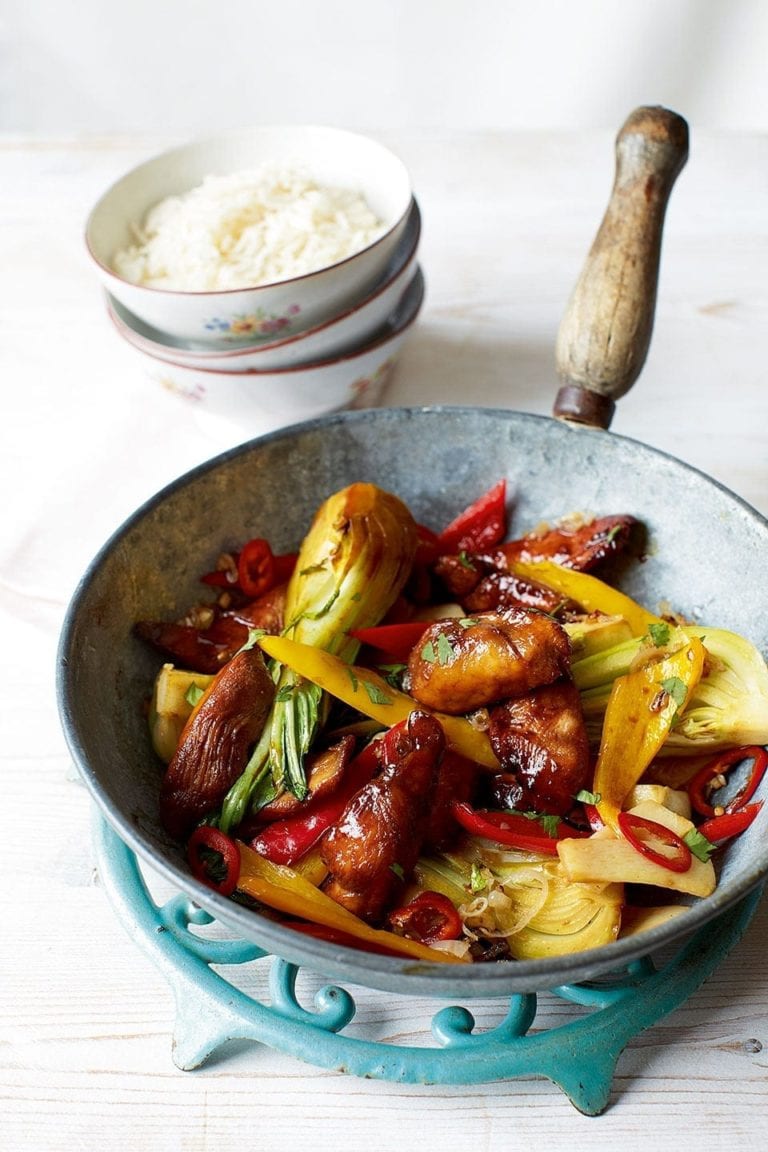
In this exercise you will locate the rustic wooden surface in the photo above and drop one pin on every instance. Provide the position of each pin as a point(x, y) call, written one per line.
point(85, 1018)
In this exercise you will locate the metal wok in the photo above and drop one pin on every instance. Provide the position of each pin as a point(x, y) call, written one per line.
point(707, 555)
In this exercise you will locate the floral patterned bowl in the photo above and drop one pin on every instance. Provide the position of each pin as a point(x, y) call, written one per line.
point(254, 402)
point(268, 312)
point(357, 324)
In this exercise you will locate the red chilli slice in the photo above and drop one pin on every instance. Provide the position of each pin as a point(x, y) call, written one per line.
point(429, 917)
point(631, 826)
point(256, 568)
point(699, 786)
point(204, 841)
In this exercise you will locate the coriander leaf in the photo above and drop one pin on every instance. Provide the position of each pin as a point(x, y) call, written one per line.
point(398, 870)
point(587, 797)
point(701, 848)
point(392, 673)
point(477, 878)
point(445, 652)
point(549, 824)
point(659, 633)
point(465, 561)
point(375, 694)
point(428, 653)
point(193, 694)
point(675, 688)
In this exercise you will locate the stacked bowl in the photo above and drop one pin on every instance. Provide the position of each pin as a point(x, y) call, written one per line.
point(267, 276)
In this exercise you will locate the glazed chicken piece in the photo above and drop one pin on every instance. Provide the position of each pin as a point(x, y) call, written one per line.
point(207, 649)
point(484, 583)
point(376, 843)
point(502, 589)
point(195, 649)
point(541, 742)
point(464, 664)
point(455, 782)
point(266, 613)
point(216, 742)
point(581, 547)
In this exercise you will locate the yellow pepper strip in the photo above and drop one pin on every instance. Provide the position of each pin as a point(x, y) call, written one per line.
point(641, 710)
point(591, 593)
point(370, 694)
point(287, 891)
point(311, 866)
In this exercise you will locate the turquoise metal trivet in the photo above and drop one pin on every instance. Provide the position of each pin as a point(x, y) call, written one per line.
point(579, 1056)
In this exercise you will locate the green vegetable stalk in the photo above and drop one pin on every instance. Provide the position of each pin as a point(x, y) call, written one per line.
point(352, 566)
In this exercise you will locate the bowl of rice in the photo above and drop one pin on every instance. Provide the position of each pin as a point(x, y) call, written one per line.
point(251, 236)
point(353, 326)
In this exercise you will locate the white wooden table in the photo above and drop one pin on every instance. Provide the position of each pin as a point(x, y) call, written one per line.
point(85, 1018)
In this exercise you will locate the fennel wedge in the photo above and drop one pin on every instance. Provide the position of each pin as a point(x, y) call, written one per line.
point(728, 706)
point(351, 567)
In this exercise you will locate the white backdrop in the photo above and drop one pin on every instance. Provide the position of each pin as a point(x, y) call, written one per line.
point(190, 66)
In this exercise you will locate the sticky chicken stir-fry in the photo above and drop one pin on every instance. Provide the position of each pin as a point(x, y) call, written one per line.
point(452, 745)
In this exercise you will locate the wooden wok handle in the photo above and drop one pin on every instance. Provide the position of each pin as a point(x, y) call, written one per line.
point(605, 333)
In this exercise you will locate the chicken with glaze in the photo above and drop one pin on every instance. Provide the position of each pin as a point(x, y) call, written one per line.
point(468, 663)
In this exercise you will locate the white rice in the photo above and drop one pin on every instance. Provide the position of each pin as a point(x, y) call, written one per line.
point(246, 229)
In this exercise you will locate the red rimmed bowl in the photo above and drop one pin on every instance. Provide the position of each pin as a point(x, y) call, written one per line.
point(255, 401)
point(330, 156)
point(352, 328)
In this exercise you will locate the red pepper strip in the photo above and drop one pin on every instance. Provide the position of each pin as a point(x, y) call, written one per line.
point(336, 936)
point(730, 823)
point(418, 589)
point(430, 916)
point(283, 566)
point(427, 546)
point(698, 787)
point(286, 841)
point(481, 526)
point(205, 840)
point(393, 639)
point(256, 568)
point(630, 826)
point(511, 829)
